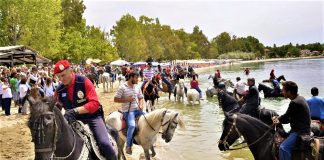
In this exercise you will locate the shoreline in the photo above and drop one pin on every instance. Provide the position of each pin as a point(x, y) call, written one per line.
point(212, 67)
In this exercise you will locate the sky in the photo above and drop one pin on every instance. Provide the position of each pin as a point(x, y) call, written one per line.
point(272, 22)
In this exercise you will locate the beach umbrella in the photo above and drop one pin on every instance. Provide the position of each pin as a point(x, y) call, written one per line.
point(119, 62)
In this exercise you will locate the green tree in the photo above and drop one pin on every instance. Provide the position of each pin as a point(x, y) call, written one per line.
point(223, 42)
point(201, 41)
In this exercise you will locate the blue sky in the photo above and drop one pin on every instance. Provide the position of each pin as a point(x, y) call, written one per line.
point(278, 22)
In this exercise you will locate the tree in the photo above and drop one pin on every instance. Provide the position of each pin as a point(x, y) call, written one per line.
point(223, 42)
point(72, 11)
point(201, 41)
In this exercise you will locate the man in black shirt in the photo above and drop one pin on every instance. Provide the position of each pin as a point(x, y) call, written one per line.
point(297, 115)
point(251, 99)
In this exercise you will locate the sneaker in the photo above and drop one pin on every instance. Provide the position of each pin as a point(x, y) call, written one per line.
point(129, 150)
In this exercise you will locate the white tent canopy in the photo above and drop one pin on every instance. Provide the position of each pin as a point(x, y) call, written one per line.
point(119, 62)
point(139, 63)
point(90, 60)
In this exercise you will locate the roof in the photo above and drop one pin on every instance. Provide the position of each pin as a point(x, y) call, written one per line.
point(15, 55)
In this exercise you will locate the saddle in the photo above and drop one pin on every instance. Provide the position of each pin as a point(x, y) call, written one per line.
point(90, 146)
point(305, 147)
point(124, 127)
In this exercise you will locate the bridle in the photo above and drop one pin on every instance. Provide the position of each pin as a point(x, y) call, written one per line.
point(233, 127)
point(39, 135)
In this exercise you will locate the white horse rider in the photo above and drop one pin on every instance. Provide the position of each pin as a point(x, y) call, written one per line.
point(180, 90)
point(149, 126)
point(193, 96)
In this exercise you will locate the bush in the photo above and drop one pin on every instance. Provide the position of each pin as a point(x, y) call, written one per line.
point(238, 55)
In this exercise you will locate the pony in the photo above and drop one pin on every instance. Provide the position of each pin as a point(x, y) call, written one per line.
point(107, 82)
point(149, 126)
point(53, 137)
point(180, 93)
point(267, 91)
point(261, 138)
point(193, 96)
point(150, 93)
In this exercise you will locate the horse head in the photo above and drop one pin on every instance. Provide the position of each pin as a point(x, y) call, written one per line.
point(170, 121)
point(43, 126)
point(230, 133)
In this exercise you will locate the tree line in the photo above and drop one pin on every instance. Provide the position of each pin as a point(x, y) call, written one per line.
point(57, 30)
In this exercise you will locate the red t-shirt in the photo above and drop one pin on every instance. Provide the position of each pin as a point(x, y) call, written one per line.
point(194, 84)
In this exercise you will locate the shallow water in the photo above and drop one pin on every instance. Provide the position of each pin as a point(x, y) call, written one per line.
point(203, 122)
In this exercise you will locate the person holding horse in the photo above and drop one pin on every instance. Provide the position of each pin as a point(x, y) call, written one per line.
point(297, 115)
point(194, 84)
point(79, 98)
point(218, 74)
point(251, 99)
point(316, 105)
point(132, 105)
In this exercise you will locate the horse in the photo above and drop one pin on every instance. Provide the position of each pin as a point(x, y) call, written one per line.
point(148, 126)
point(193, 96)
point(231, 105)
point(180, 93)
point(282, 77)
point(120, 79)
point(267, 91)
point(260, 138)
point(165, 88)
point(94, 78)
point(54, 138)
point(107, 82)
point(150, 93)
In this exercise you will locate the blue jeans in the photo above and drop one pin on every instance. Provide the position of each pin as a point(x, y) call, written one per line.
point(100, 132)
point(168, 83)
point(199, 91)
point(131, 124)
point(286, 146)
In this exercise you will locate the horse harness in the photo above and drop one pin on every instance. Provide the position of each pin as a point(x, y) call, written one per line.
point(233, 127)
point(39, 135)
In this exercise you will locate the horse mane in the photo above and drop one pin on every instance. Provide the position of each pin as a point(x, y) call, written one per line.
point(253, 122)
point(155, 115)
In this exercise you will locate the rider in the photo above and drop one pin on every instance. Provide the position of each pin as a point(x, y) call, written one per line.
point(194, 84)
point(218, 74)
point(79, 98)
point(165, 80)
point(272, 75)
point(109, 70)
point(316, 105)
point(276, 87)
point(251, 99)
point(239, 87)
point(148, 74)
point(132, 99)
point(297, 115)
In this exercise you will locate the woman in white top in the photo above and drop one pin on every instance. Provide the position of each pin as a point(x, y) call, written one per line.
point(6, 97)
point(23, 89)
point(49, 87)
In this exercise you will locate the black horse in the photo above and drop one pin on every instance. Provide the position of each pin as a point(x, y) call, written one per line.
point(230, 105)
point(52, 135)
point(267, 91)
point(150, 91)
point(260, 138)
point(282, 77)
point(94, 78)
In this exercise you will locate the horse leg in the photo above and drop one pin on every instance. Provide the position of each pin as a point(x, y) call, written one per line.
point(147, 154)
point(153, 151)
point(121, 153)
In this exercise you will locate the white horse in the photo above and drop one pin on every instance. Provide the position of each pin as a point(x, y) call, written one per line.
point(180, 90)
point(120, 79)
point(107, 82)
point(193, 96)
point(148, 129)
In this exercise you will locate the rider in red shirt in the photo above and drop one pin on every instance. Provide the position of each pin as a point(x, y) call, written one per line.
point(195, 85)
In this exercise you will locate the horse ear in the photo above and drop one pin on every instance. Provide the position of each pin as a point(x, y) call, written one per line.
point(179, 120)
